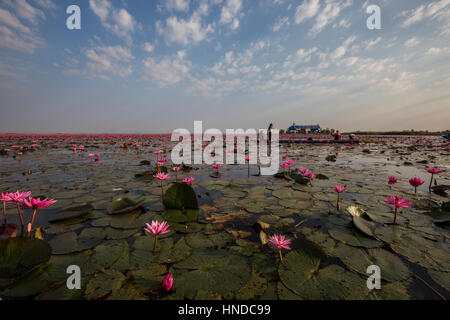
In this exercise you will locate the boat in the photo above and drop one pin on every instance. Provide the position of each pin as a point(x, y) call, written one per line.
point(322, 141)
point(446, 136)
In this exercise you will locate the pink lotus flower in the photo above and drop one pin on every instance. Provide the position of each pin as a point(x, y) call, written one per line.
point(303, 170)
point(392, 180)
point(217, 166)
point(36, 204)
point(157, 228)
point(280, 242)
point(339, 189)
point(397, 202)
point(176, 170)
point(416, 182)
point(162, 176)
point(167, 282)
point(188, 180)
point(433, 171)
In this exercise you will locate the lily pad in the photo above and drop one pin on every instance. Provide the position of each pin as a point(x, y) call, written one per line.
point(20, 255)
point(123, 205)
point(103, 283)
point(211, 270)
point(180, 196)
point(300, 264)
point(71, 242)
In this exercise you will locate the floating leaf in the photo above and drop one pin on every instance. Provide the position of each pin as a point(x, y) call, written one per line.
point(20, 255)
point(103, 283)
point(180, 196)
point(300, 264)
point(211, 270)
point(123, 205)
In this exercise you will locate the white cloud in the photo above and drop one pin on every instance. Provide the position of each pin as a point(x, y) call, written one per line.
point(26, 11)
point(424, 11)
point(169, 70)
point(342, 50)
point(230, 13)
point(182, 31)
point(109, 59)
point(281, 22)
point(411, 42)
point(148, 47)
point(179, 5)
point(14, 34)
point(118, 21)
point(329, 13)
point(307, 10)
point(372, 43)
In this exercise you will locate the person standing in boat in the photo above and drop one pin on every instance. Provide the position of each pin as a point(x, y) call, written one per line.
point(337, 136)
point(269, 133)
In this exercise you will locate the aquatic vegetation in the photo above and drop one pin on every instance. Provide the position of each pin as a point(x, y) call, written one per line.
point(35, 204)
point(339, 190)
point(176, 170)
point(167, 282)
point(280, 241)
point(397, 202)
point(162, 177)
point(216, 244)
point(188, 180)
point(392, 180)
point(157, 228)
point(416, 182)
point(433, 171)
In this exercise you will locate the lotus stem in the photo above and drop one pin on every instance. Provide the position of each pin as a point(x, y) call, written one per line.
point(281, 256)
point(4, 211)
point(338, 205)
point(395, 216)
point(431, 182)
point(154, 244)
point(20, 214)
point(248, 166)
point(34, 215)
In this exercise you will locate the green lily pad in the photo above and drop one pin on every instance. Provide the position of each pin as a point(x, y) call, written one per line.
point(392, 267)
point(254, 288)
point(149, 278)
point(179, 216)
point(441, 278)
point(20, 255)
point(103, 283)
point(123, 205)
point(211, 270)
point(353, 237)
point(332, 283)
point(71, 242)
point(180, 196)
point(111, 254)
point(72, 213)
point(300, 264)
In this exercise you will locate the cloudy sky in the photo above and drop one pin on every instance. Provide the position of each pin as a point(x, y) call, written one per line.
point(150, 66)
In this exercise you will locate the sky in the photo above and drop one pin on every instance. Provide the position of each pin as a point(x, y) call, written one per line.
point(152, 66)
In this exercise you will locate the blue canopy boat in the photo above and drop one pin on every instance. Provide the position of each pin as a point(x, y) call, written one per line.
point(447, 136)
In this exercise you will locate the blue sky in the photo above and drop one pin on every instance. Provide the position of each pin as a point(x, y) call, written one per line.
point(150, 66)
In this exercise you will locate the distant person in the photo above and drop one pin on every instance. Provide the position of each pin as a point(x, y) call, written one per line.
point(269, 133)
point(337, 136)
